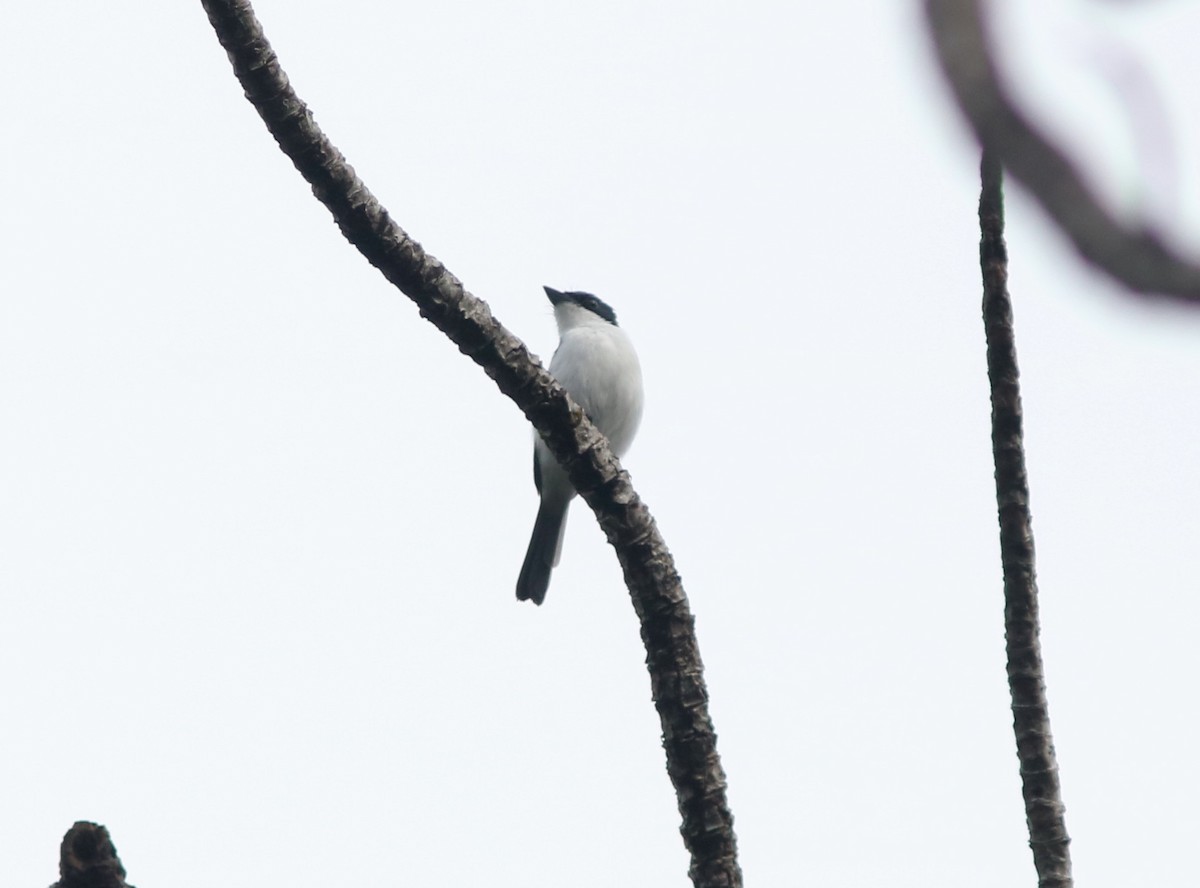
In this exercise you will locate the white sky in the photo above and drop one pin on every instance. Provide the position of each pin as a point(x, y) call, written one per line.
point(261, 524)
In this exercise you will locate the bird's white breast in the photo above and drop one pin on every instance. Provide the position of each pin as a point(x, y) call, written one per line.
point(596, 363)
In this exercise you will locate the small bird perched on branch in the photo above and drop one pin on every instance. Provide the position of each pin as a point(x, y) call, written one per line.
point(595, 362)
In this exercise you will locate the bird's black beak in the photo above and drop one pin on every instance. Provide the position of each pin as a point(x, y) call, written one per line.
point(554, 296)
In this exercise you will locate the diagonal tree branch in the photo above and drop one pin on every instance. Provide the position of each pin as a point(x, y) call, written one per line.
point(667, 625)
point(1136, 257)
point(1026, 676)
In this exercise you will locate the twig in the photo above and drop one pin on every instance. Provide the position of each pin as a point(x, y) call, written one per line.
point(1136, 257)
point(1026, 675)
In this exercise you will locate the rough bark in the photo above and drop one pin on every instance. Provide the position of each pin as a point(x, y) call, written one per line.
point(88, 859)
point(1135, 256)
point(1026, 677)
point(667, 626)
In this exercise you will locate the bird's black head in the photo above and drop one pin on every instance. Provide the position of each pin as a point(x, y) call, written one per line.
point(596, 306)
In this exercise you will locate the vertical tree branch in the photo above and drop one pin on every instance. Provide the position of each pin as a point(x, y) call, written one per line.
point(1026, 677)
point(667, 626)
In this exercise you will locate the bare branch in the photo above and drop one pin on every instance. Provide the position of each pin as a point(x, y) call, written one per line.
point(88, 859)
point(1026, 676)
point(1137, 257)
point(667, 625)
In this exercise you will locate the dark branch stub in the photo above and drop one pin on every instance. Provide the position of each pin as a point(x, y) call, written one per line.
point(1044, 810)
point(672, 653)
point(88, 859)
point(1137, 257)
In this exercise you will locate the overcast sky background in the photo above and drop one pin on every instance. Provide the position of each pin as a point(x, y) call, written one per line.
point(261, 523)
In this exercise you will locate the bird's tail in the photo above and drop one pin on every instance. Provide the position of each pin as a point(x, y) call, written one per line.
point(544, 548)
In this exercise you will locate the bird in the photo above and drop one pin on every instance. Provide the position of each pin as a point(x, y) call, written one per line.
point(596, 363)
